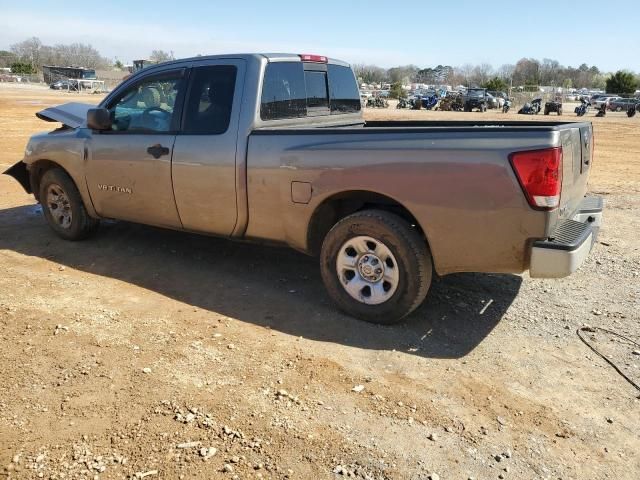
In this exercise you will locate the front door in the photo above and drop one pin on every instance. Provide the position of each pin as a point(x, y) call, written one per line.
point(204, 158)
point(129, 166)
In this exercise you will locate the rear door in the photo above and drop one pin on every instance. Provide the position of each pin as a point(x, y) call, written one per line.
point(204, 155)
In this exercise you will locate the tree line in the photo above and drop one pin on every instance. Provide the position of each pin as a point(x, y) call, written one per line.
point(28, 56)
point(526, 72)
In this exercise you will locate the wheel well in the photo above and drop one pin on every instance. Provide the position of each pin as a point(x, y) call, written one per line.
point(335, 208)
point(36, 171)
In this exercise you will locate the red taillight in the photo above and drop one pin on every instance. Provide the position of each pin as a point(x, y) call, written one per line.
point(540, 175)
point(306, 57)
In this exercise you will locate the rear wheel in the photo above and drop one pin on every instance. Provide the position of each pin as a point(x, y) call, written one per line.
point(375, 266)
point(63, 207)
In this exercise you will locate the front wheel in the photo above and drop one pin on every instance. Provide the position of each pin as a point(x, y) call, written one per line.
point(375, 266)
point(63, 207)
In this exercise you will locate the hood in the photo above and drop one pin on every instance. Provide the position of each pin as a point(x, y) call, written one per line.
point(72, 114)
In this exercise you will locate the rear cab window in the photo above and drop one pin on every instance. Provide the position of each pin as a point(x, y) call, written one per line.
point(209, 100)
point(305, 89)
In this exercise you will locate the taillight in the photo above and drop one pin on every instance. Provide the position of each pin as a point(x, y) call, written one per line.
point(540, 175)
point(306, 57)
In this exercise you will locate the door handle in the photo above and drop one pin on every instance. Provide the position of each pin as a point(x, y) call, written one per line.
point(157, 150)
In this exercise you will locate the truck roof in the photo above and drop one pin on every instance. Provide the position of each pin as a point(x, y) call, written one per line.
point(270, 57)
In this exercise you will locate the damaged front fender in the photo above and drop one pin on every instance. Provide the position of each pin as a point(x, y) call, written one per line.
point(21, 174)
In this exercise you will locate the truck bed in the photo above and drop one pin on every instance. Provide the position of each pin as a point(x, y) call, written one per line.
point(455, 177)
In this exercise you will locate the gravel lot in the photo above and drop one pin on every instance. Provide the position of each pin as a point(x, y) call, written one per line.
point(145, 353)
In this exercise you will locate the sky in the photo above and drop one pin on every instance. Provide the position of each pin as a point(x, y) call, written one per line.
point(385, 33)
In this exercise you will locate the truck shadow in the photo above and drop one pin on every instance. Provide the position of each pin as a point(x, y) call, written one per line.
point(266, 286)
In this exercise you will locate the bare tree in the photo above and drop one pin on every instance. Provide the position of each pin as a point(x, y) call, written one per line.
point(482, 73)
point(466, 72)
point(369, 73)
point(506, 71)
point(159, 56)
point(527, 72)
point(32, 51)
point(28, 51)
point(550, 72)
point(7, 58)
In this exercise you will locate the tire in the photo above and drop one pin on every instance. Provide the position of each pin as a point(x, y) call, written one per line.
point(69, 220)
point(400, 251)
point(559, 111)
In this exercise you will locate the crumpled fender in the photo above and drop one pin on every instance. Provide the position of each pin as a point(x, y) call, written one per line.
point(21, 174)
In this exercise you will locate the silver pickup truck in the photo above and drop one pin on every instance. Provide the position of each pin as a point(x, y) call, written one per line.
point(274, 148)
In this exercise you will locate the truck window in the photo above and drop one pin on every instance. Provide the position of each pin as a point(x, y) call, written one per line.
point(291, 91)
point(343, 90)
point(209, 100)
point(148, 106)
point(316, 85)
point(283, 92)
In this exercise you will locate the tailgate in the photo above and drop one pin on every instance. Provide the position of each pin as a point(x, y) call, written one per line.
point(577, 157)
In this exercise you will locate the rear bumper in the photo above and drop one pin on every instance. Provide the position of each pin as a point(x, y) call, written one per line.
point(562, 253)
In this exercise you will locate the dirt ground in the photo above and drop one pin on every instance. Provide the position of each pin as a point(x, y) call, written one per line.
point(145, 353)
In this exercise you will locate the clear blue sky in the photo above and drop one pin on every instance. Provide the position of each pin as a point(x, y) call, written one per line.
point(387, 33)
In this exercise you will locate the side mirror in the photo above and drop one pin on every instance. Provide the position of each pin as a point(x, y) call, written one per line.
point(99, 119)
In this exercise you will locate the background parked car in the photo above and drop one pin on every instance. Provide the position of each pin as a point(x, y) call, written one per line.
point(62, 85)
point(622, 104)
point(598, 100)
point(493, 100)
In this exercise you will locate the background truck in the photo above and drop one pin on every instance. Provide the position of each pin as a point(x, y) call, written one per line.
point(476, 98)
point(274, 148)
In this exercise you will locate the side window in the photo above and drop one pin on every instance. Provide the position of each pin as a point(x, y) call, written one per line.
point(316, 84)
point(147, 107)
point(283, 92)
point(343, 90)
point(209, 101)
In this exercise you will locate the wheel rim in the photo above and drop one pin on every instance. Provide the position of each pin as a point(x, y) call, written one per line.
point(367, 270)
point(59, 206)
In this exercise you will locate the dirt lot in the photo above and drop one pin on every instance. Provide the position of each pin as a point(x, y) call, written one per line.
point(144, 353)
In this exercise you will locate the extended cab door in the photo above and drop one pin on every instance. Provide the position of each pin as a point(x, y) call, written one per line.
point(129, 167)
point(204, 156)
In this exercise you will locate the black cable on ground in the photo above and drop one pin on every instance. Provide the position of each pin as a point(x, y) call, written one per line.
point(593, 329)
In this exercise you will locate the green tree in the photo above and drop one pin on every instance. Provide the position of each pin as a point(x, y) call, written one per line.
point(118, 64)
point(621, 82)
point(397, 91)
point(22, 68)
point(496, 83)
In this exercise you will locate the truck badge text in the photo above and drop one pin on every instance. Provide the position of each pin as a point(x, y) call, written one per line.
point(114, 188)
